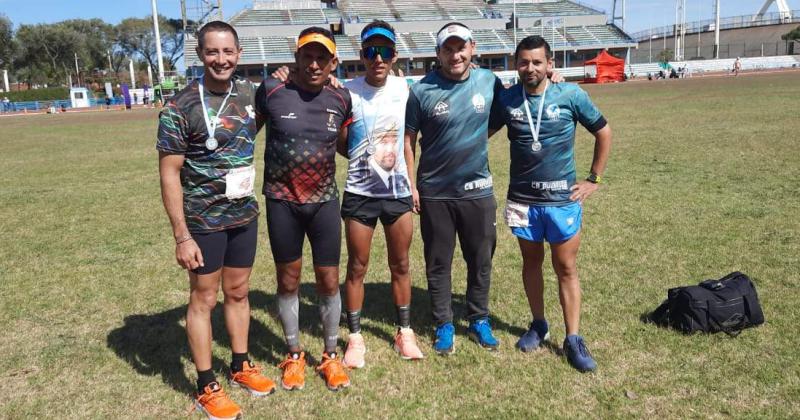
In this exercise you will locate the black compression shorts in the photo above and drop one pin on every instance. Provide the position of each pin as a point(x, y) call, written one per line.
point(235, 247)
point(288, 223)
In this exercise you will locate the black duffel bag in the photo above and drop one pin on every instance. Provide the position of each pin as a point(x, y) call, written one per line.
point(729, 304)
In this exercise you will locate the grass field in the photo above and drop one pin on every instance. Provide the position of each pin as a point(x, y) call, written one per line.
point(703, 180)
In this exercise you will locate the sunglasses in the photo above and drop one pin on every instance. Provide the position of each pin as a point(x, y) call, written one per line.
point(371, 53)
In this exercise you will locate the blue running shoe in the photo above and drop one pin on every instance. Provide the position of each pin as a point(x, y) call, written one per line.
point(532, 339)
point(445, 341)
point(481, 332)
point(578, 355)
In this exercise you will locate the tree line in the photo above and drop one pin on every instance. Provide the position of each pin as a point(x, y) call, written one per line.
point(40, 54)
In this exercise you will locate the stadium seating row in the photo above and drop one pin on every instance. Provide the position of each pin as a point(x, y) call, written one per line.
point(407, 10)
point(489, 41)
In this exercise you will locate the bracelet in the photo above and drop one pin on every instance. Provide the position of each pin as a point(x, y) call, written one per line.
point(183, 239)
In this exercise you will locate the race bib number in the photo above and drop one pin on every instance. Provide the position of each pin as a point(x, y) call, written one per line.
point(517, 214)
point(239, 182)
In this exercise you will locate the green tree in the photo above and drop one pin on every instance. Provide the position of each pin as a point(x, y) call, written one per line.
point(793, 35)
point(664, 56)
point(97, 43)
point(135, 37)
point(7, 42)
point(48, 51)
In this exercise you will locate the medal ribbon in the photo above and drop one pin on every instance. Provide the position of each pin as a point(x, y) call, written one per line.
point(212, 126)
point(534, 131)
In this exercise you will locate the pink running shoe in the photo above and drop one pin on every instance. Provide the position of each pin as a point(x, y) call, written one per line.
point(354, 355)
point(405, 343)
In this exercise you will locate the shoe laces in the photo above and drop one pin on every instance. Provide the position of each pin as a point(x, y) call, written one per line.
point(444, 330)
point(212, 398)
point(357, 345)
point(583, 350)
point(292, 366)
point(331, 366)
point(249, 369)
point(483, 328)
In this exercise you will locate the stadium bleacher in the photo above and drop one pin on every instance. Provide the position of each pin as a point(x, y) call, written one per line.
point(269, 35)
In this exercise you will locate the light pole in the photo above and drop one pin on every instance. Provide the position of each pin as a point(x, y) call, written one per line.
point(158, 42)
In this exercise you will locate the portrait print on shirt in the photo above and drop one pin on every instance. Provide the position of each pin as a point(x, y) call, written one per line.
point(377, 166)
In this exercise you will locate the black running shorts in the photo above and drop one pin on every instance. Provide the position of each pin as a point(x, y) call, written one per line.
point(288, 223)
point(235, 247)
point(367, 210)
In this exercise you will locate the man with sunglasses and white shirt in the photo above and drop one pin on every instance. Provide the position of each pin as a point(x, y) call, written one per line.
point(379, 186)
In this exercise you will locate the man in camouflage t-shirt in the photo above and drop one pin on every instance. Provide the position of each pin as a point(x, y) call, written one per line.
point(206, 139)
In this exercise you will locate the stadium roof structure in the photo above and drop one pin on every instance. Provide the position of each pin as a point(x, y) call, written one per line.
point(269, 35)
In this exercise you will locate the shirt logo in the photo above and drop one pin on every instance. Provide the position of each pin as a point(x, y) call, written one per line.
point(479, 103)
point(516, 115)
point(441, 108)
point(553, 112)
point(479, 184)
point(331, 123)
point(560, 185)
point(290, 116)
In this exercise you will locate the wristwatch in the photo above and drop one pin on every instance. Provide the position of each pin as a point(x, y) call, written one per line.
point(594, 178)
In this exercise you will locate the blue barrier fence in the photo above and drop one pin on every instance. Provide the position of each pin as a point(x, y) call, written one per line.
point(58, 104)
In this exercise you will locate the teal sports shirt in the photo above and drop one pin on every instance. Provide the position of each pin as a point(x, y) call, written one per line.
point(453, 118)
point(544, 177)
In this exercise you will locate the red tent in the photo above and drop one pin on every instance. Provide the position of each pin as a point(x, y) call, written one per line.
point(605, 68)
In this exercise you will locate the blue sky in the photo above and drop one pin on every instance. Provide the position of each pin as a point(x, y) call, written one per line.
point(642, 14)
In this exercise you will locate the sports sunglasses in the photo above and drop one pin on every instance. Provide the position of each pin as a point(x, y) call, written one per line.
point(371, 53)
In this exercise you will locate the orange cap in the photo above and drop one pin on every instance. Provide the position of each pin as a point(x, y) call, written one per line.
point(318, 38)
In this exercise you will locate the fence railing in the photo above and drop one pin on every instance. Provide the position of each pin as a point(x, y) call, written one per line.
point(649, 52)
point(58, 104)
point(733, 22)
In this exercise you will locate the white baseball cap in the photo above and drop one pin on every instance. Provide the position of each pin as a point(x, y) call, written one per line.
point(454, 30)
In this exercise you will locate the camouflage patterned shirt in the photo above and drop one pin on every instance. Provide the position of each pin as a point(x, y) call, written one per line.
point(182, 130)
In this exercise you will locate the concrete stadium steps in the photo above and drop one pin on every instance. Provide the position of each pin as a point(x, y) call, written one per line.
point(552, 8)
point(411, 10)
point(269, 17)
point(347, 46)
point(280, 49)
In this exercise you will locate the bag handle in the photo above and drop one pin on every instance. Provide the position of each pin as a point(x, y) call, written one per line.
point(731, 331)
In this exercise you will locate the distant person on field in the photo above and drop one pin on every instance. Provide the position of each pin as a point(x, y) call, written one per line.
point(135, 98)
point(737, 66)
point(206, 140)
point(544, 197)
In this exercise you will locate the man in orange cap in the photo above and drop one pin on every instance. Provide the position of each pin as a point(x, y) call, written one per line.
point(305, 117)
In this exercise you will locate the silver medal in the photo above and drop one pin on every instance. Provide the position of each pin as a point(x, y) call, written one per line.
point(536, 146)
point(211, 143)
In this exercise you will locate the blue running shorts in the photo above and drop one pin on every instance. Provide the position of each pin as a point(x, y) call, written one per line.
point(537, 223)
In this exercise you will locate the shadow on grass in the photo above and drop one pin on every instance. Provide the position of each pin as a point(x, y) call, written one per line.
point(155, 344)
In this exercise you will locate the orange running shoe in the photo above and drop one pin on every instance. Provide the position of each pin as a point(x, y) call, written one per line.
point(294, 372)
point(215, 404)
point(332, 370)
point(405, 344)
point(251, 379)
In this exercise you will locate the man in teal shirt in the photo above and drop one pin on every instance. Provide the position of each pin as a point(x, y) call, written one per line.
point(544, 199)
